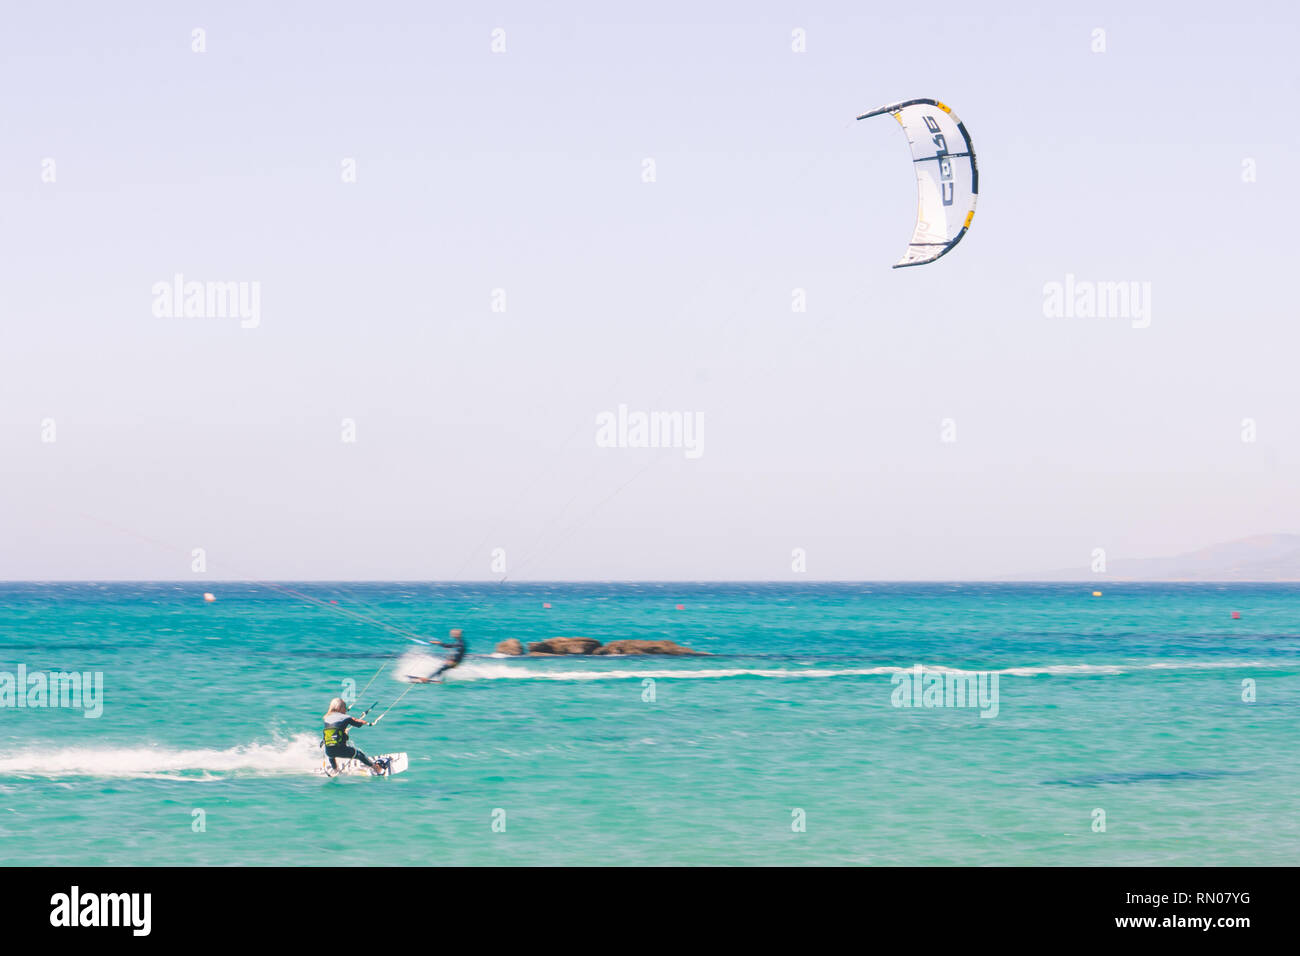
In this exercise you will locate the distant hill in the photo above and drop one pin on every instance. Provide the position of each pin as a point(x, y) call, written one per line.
point(1264, 557)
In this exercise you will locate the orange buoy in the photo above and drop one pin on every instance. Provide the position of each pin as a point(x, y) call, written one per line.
point(681, 607)
point(546, 604)
point(209, 596)
point(1236, 615)
point(1096, 594)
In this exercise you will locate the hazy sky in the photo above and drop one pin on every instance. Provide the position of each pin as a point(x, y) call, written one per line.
point(524, 171)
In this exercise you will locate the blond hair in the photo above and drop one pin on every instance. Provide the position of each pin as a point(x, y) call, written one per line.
point(337, 706)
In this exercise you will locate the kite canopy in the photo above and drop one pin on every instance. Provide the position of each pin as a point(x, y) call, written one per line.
point(947, 179)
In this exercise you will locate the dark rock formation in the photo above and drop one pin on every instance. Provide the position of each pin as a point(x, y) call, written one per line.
point(564, 645)
point(560, 646)
point(645, 647)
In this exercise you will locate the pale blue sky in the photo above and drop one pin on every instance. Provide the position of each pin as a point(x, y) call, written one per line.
point(522, 171)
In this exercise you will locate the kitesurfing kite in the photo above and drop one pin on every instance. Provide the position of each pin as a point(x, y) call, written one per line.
point(947, 179)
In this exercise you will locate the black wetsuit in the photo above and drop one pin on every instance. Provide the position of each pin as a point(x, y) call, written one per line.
point(336, 740)
point(457, 653)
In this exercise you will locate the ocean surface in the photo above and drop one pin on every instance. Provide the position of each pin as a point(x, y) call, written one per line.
point(785, 746)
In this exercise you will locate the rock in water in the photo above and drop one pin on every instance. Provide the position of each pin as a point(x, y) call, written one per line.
point(512, 647)
point(564, 645)
point(646, 647)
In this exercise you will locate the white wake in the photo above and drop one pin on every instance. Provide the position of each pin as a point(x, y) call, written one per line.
point(297, 755)
point(500, 669)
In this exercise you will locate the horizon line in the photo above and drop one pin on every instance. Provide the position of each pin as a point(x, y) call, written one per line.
point(531, 581)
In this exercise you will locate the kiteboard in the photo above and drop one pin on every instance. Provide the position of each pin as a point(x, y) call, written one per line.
point(392, 763)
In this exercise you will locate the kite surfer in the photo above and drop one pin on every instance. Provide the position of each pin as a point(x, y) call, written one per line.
point(457, 654)
point(337, 722)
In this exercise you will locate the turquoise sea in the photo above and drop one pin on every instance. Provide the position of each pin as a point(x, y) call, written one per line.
point(783, 747)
